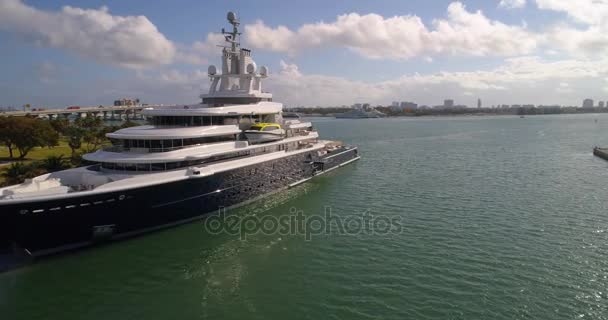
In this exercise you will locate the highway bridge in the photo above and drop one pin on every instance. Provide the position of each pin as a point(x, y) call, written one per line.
point(107, 112)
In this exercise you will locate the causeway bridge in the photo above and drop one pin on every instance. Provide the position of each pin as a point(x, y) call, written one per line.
point(106, 112)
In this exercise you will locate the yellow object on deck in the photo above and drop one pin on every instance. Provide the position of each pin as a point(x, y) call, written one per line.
point(265, 126)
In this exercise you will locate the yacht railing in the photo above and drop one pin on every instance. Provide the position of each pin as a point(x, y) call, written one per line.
point(144, 150)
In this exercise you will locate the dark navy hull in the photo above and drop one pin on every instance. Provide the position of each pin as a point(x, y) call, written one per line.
point(41, 228)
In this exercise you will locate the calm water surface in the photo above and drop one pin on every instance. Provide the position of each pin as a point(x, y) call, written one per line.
point(503, 218)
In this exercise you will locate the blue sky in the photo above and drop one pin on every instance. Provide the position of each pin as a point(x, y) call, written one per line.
point(321, 52)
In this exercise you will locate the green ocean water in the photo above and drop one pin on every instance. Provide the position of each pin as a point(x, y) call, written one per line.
point(500, 218)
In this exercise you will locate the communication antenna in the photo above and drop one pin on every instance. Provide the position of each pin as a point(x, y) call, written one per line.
point(232, 37)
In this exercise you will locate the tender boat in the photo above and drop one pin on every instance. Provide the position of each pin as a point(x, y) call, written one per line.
point(190, 160)
point(264, 132)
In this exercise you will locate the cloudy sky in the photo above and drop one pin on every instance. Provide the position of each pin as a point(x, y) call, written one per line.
point(90, 52)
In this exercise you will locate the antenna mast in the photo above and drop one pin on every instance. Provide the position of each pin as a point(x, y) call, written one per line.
point(232, 37)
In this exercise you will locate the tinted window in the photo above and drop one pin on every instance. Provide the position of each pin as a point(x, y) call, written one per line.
point(157, 166)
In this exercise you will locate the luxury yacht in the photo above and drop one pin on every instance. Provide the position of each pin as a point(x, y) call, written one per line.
point(189, 161)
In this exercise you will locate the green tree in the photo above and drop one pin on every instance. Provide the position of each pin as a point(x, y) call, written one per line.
point(17, 172)
point(7, 134)
point(24, 134)
point(127, 124)
point(60, 124)
point(93, 132)
point(13, 173)
point(74, 135)
point(54, 163)
point(31, 133)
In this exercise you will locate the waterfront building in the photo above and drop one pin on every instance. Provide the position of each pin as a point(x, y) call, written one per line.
point(126, 102)
point(448, 103)
point(588, 103)
point(408, 105)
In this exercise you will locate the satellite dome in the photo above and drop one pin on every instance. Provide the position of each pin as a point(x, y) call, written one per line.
point(231, 16)
point(251, 68)
point(212, 70)
point(264, 71)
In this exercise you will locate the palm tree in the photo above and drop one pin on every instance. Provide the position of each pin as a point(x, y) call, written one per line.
point(54, 163)
point(13, 174)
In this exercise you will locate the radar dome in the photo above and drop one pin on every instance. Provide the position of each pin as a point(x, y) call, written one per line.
point(264, 71)
point(231, 16)
point(251, 68)
point(212, 70)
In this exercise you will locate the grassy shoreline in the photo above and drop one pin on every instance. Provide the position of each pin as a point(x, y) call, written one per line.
point(35, 154)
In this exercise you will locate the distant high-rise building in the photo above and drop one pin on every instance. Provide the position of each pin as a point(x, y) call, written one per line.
point(448, 103)
point(588, 103)
point(478, 103)
point(408, 105)
point(395, 106)
point(126, 102)
point(600, 104)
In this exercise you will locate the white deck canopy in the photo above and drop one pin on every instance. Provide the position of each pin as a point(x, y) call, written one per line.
point(156, 133)
point(263, 107)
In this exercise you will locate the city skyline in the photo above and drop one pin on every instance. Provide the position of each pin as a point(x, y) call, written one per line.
point(90, 53)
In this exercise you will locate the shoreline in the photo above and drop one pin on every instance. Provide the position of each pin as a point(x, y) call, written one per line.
point(453, 115)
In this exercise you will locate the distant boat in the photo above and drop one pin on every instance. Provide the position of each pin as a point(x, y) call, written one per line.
point(360, 114)
point(522, 117)
point(291, 115)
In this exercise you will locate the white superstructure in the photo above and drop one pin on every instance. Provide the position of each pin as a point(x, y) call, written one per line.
point(182, 139)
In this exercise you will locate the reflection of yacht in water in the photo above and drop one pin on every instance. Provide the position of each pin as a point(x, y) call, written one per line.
point(360, 114)
point(191, 160)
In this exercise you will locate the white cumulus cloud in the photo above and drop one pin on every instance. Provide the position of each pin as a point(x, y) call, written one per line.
point(512, 4)
point(588, 36)
point(593, 12)
point(518, 80)
point(129, 41)
point(401, 37)
point(197, 52)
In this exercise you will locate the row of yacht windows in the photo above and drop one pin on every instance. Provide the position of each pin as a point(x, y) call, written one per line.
point(145, 167)
point(168, 165)
point(192, 121)
point(168, 144)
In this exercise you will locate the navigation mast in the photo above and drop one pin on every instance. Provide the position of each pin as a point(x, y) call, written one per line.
point(232, 37)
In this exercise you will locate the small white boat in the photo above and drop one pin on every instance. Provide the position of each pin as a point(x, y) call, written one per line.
point(264, 132)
